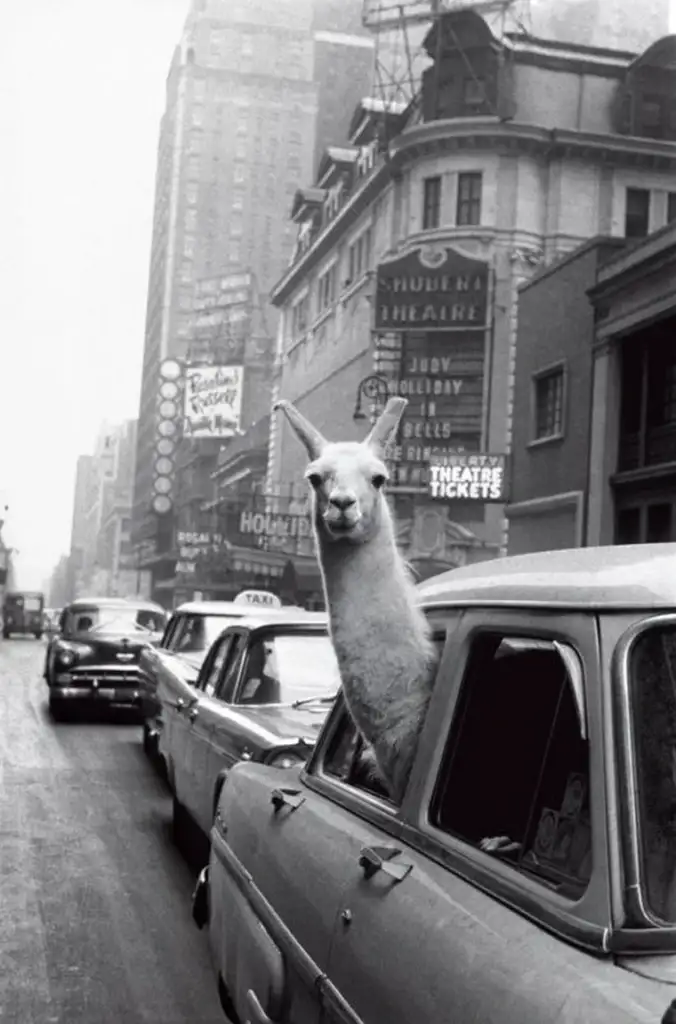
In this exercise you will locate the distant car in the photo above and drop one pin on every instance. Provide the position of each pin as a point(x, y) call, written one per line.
point(262, 694)
point(189, 634)
point(22, 612)
point(95, 656)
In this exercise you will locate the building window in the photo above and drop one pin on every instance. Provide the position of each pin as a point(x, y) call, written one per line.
point(549, 388)
point(469, 199)
point(299, 317)
point(431, 202)
point(359, 257)
point(637, 213)
point(671, 207)
point(326, 289)
point(474, 92)
point(197, 116)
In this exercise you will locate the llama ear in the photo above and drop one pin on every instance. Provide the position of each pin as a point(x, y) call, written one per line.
point(306, 433)
point(387, 424)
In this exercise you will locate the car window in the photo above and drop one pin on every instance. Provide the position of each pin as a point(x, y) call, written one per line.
point(215, 661)
point(348, 759)
point(231, 668)
point(197, 633)
point(283, 668)
point(166, 641)
point(652, 668)
point(514, 779)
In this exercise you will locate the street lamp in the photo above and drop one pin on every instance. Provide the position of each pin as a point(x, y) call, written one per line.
point(372, 388)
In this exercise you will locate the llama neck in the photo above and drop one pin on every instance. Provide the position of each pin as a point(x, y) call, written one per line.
point(382, 644)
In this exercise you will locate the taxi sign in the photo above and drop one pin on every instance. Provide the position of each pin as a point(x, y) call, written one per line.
point(258, 598)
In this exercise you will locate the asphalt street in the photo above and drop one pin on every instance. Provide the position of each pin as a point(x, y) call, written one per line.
point(95, 902)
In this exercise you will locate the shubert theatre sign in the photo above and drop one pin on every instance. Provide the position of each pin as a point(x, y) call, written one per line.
point(431, 288)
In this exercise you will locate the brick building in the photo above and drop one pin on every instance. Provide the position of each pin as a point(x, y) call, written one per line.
point(594, 456)
point(505, 164)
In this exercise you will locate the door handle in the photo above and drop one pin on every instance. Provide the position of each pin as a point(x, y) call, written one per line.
point(179, 704)
point(246, 755)
point(378, 858)
point(291, 797)
point(192, 714)
point(257, 1014)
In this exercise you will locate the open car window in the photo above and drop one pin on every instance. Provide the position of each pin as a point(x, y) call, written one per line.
point(514, 778)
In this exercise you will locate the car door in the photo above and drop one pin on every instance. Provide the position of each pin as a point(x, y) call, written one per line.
point(497, 833)
point(217, 730)
point(188, 737)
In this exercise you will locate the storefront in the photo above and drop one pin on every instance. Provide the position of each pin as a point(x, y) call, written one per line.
point(632, 482)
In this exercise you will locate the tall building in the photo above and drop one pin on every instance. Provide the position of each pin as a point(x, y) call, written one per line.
point(254, 94)
point(415, 239)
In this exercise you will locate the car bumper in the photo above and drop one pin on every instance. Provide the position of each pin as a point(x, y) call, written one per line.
point(106, 686)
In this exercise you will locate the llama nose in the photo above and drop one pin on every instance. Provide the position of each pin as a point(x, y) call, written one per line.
point(342, 500)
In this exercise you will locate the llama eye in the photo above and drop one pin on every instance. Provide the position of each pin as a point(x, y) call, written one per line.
point(315, 480)
point(378, 480)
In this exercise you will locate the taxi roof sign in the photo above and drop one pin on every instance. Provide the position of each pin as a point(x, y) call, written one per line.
point(258, 598)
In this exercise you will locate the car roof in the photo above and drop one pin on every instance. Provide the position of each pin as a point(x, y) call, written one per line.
point(298, 620)
point(226, 608)
point(115, 602)
point(637, 576)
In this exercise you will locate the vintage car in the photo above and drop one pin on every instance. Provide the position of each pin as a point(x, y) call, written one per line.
point(95, 655)
point(261, 695)
point(22, 612)
point(176, 660)
point(529, 872)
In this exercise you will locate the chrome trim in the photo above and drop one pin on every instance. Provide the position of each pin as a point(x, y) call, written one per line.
point(634, 885)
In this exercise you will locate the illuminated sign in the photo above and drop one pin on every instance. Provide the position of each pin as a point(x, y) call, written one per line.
point(432, 288)
point(259, 598)
point(468, 477)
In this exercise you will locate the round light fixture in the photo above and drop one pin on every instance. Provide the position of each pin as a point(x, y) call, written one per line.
point(168, 410)
point(162, 485)
point(166, 428)
point(170, 369)
point(165, 446)
point(164, 466)
point(161, 504)
point(169, 389)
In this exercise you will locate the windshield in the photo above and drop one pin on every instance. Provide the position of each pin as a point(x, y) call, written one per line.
point(653, 691)
point(115, 620)
point(285, 669)
point(27, 602)
point(196, 633)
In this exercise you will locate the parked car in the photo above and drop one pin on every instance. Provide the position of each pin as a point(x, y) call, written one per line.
point(175, 662)
point(95, 656)
point(528, 874)
point(22, 613)
point(262, 694)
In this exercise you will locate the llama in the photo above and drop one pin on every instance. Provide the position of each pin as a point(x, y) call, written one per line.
point(380, 635)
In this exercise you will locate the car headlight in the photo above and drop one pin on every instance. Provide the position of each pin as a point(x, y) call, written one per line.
point(66, 657)
point(287, 759)
point(69, 655)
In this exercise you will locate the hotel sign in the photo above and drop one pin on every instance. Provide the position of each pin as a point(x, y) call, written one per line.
point(432, 288)
point(468, 477)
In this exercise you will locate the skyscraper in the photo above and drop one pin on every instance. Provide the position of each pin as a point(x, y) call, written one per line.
point(254, 94)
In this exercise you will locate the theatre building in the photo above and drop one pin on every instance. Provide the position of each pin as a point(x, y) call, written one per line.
point(414, 240)
point(594, 455)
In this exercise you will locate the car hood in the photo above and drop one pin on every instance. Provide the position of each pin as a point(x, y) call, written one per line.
point(289, 723)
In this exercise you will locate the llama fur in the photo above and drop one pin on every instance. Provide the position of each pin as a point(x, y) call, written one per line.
point(378, 631)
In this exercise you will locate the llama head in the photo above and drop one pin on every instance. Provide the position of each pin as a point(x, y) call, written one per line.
point(347, 477)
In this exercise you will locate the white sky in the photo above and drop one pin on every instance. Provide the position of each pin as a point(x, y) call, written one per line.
point(81, 94)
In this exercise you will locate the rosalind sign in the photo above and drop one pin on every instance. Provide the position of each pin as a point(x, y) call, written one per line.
point(468, 477)
point(430, 288)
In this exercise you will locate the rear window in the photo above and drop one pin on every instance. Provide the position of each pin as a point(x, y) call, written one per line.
point(100, 619)
point(196, 633)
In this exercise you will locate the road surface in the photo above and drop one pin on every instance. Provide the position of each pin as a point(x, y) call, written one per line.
point(95, 911)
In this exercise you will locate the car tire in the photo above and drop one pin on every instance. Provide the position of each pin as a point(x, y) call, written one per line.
point(5, 634)
point(57, 708)
point(38, 636)
point(148, 742)
point(180, 823)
